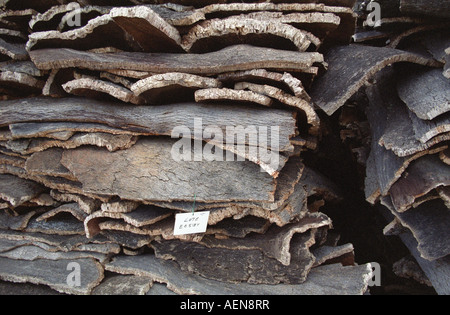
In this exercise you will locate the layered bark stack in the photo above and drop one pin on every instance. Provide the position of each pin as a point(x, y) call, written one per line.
point(402, 70)
point(93, 170)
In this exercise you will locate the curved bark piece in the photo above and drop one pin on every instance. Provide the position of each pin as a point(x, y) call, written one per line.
point(17, 191)
point(285, 80)
point(83, 14)
point(178, 15)
point(222, 33)
point(98, 33)
point(225, 94)
point(246, 58)
point(276, 242)
point(226, 9)
point(87, 204)
point(350, 67)
point(12, 51)
point(172, 86)
point(425, 92)
point(399, 135)
point(50, 19)
point(422, 176)
point(20, 83)
point(98, 89)
point(148, 29)
point(240, 264)
point(425, 130)
point(445, 156)
point(153, 120)
point(331, 279)
point(72, 208)
point(292, 101)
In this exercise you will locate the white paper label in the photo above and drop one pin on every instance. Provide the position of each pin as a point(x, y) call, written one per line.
point(190, 223)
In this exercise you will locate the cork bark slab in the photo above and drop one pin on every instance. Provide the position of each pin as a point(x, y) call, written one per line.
point(231, 95)
point(148, 29)
point(12, 51)
point(421, 177)
point(425, 92)
point(156, 120)
point(72, 208)
point(94, 88)
point(221, 33)
point(244, 58)
point(250, 266)
point(86, 204)
point(17, 191)
point(172, 87)
point(425, 130)
point(429, 226)
point(399, 134)
point(149, 181)
point(333, 279)
point(90, 36)
point(350, 67)
point(53, 273)
point(83, 14)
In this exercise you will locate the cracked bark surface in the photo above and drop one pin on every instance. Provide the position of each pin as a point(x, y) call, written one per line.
point(243, 58)
point(150, 181)
point(346, 76)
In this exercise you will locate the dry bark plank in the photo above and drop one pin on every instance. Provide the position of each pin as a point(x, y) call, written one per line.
point(241, 265)
point(94, 88)
point(178, 15)
point(72, 208)
point(157, 120)
point(421, 177)
point(335, 254)
point(321, 280)
point(434, 8)
point(244, 58)
point(88, 205)
point(17, 191)
point(429, 225)
point(52, 273)
point(20, 83)
point(292, 101)
point(98, 33)
point(32, 253)
point(50, 129)
point(148, 29)
point(285, 81)
point(399, 134)
point(123, 285)
point(63, 225)
point(231, 95)
point(25, 67)
point(425, 130)
point(239, 228)
point(83, 14)
point(18, 222)
point(48, 163)
point(425, 92)
point(276, 242)
point(389, 167)
point(350, 67)
point(172, 87)
point(221, 33)
point(12, 51)
point(131, 187)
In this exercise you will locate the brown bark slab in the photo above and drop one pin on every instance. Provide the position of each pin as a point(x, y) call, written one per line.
point(421, 177)
point(231, 95)
point(434, 8)
point(148, 29)
point(350, 67)
point(156, 120)
point(12, 51)
point(231, 31)
point(172, 87)
point(17, 191)
point(118, 169)
point(244, 58)
point(94, 88)
point(425, 92)
point(425, 130)
point(322, 280)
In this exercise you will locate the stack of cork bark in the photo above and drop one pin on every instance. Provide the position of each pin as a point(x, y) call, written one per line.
point(115, 119)
point(400, 79)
